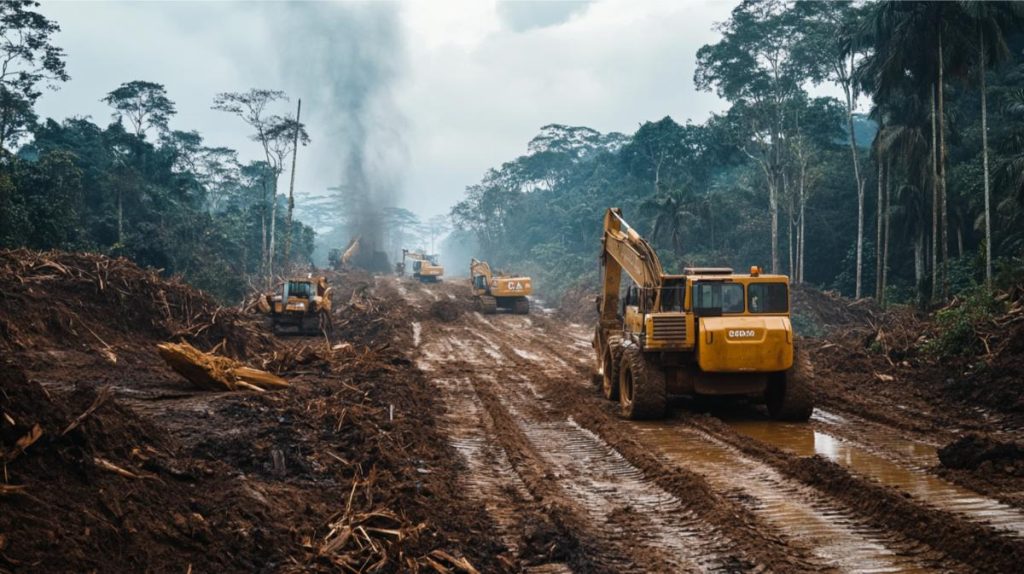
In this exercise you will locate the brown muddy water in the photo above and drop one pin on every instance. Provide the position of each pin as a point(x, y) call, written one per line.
point(800, 513)
point(909, 474)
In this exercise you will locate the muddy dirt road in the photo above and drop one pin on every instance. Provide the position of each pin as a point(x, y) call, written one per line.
point(571, 487)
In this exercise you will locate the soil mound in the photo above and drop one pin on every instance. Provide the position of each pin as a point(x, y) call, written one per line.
point(446, 310)
point(74, 300)
point(976, 452)
point(578, 304)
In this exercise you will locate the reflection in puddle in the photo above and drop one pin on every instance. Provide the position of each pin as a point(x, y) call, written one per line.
point(797, 511)
point(805, 441)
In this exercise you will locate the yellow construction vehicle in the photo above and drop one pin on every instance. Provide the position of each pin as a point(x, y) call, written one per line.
point(707, 331)
point(499, 292)
point(302, 307)
point(424, 267)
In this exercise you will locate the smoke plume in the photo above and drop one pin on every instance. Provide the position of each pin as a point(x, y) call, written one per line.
point(344, 61)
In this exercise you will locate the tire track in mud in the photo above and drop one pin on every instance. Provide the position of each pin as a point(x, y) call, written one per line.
point(519, 454)
point(538, 461)
point(832, 532)
point(533, 373)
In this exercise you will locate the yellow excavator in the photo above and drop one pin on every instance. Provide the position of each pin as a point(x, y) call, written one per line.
point(707, 331)
point(302, 307)
point(424, 266)
point(492, 293)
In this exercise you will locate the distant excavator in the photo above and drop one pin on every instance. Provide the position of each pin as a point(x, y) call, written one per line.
point(303, 307)
point(708, 331)
point(424, 266)
point(492, 293)
point(339, 259)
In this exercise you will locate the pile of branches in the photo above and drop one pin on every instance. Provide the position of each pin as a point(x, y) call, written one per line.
point(79, 295)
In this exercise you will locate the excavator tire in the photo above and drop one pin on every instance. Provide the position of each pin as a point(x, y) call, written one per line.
point(789, 396)
point(521, 306)
point(642, 393)
point(612, 359)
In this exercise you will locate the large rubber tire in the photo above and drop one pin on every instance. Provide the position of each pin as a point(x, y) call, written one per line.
point(612, 359)
point(487, 305)
point(642, 393)
point(521, 306)
point(789, 395)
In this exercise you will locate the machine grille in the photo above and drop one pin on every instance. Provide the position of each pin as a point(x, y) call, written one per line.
point(669, 327)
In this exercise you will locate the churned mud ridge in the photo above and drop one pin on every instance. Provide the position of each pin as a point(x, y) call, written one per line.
point(743, 536)
point(967, 542)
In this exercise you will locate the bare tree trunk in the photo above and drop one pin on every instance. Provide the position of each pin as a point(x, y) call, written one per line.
point(935, 203)
point(273, 226)
point(984, 155)
point(800, 225)
point(942, 178)
point(885, 235)
point(878, 234)
point(773, 211)
point(859, 182)
point(291, 190)
point(120, 215)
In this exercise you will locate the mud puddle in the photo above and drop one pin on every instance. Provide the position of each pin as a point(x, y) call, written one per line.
point(799, 513)
point(910, 477)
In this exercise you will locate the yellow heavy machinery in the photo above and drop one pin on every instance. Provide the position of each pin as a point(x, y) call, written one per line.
point(424, 267)
point(499, 292)
point(302, 307)
point(707, 331)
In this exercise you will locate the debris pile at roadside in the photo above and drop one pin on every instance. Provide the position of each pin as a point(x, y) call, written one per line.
point(58, 299)
point(119, 466)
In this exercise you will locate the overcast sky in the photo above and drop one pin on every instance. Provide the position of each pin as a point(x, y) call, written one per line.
point(444, 90)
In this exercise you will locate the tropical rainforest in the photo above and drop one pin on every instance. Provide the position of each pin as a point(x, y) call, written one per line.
point(906, 185)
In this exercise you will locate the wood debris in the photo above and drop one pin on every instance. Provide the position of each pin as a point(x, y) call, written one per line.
point(216, 372)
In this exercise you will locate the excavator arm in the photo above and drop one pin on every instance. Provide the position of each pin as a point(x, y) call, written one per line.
point(622, 249)
point(477, 267)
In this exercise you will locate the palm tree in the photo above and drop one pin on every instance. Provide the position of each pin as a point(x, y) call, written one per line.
point(671, 211)
point(914, 44)
point(993, 20)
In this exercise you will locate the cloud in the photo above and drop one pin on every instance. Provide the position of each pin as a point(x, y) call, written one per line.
point(474, 80)
point(529, 14)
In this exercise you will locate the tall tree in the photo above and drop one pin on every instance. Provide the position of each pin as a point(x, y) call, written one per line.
point(829, 48)
point(283, 135)
point(28, 58)
point(251, 108)
point(993, 20)
point(754, 64)
point(144, 104)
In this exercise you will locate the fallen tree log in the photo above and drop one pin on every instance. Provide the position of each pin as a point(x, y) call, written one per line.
point(216, 372)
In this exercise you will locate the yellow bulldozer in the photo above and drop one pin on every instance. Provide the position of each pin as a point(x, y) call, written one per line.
point(492, 293)
point(707, 331)
point(302, 307)
point(424, 266)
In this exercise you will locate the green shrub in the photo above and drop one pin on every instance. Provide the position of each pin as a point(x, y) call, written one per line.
point(956, 325)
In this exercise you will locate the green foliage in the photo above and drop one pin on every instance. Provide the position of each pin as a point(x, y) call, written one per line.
point(174, 204)
point(956, 325)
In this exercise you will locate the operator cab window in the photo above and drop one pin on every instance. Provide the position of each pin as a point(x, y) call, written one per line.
point(480, 282)
point(767, 298)
point(711, 297)
point(299, 290)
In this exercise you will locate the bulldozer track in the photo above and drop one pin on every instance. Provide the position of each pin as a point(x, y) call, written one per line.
point(688, 494)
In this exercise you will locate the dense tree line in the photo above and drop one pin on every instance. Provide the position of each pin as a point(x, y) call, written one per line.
point(920, 198)
point(136, 187)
